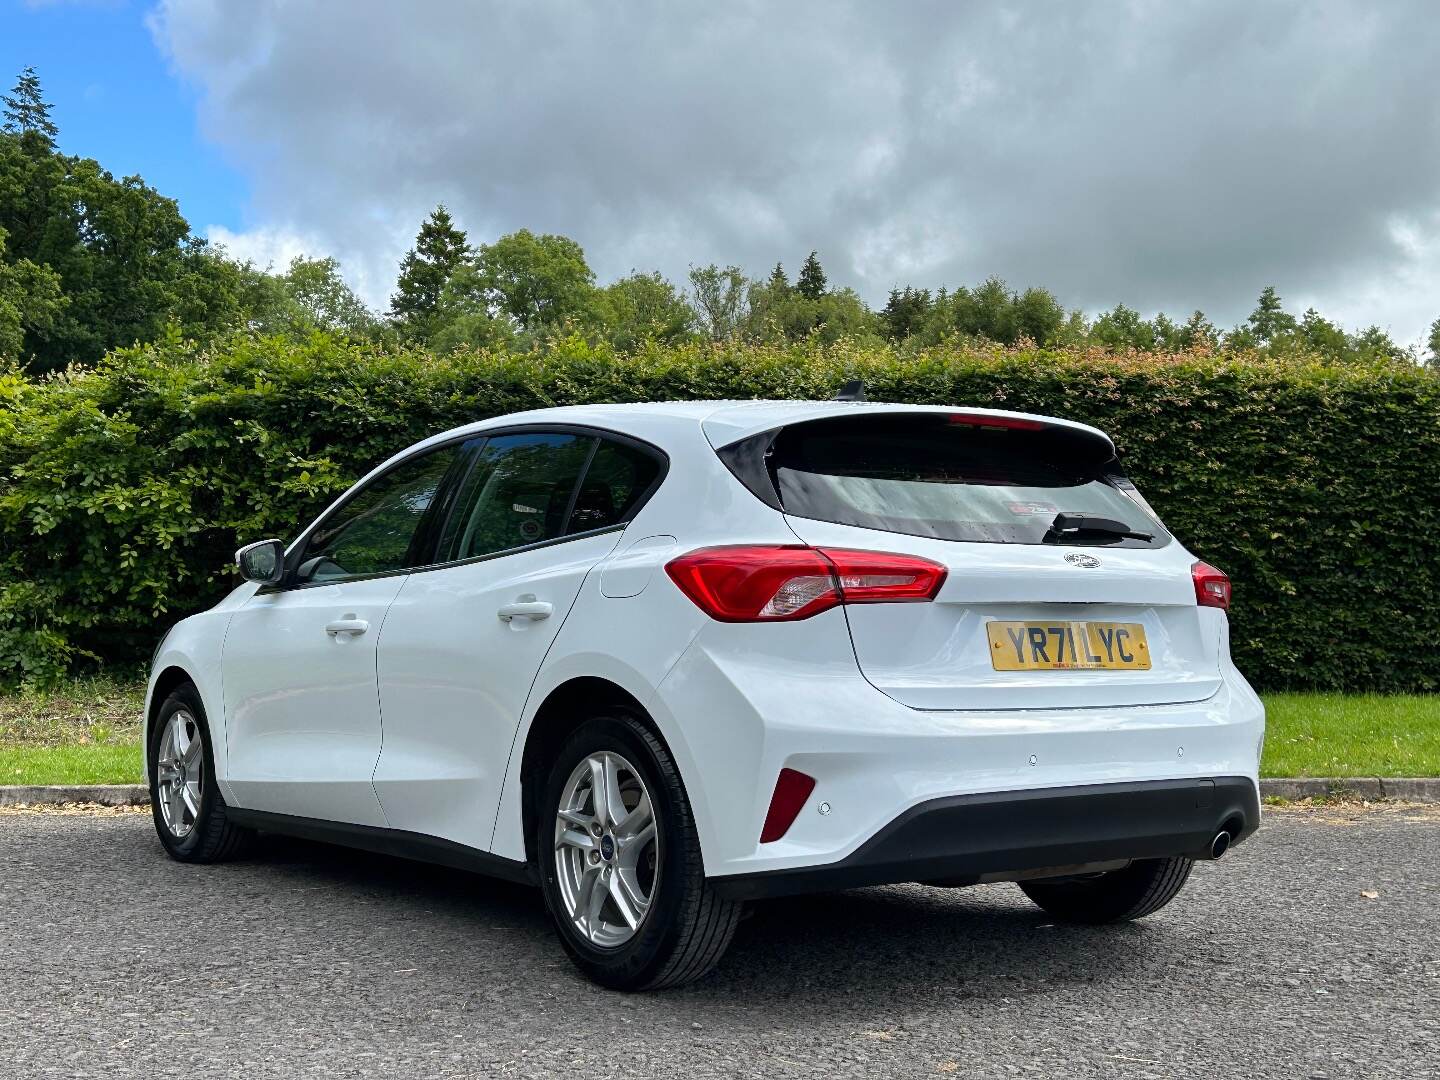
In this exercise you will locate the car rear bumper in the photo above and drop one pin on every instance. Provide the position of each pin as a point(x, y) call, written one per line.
point(965, 839)
point(735, 711)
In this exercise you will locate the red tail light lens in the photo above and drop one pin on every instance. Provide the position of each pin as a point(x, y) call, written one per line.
point(778, 584)
point(792, 788)
point(1212, 587)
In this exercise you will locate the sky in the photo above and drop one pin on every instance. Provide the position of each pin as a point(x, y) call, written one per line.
point(1168, 155)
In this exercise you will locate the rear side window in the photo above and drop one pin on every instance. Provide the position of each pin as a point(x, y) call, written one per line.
point(946, 477)
point(619, 476)
point(518, 492)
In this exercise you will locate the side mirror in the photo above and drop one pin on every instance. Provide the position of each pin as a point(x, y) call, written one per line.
point(263, 562)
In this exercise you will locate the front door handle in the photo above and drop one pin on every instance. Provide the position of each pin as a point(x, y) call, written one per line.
point(349, 625)
point(525, 609)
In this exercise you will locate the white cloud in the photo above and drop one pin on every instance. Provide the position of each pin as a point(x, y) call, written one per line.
point(273, 247)
point(1167, 156)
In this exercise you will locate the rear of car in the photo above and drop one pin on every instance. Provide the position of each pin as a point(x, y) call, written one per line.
point(974, 653)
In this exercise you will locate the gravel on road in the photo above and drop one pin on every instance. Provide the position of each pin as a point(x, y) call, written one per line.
point(1313, 950)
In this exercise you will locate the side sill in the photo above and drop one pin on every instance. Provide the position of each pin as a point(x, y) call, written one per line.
point(396, 842)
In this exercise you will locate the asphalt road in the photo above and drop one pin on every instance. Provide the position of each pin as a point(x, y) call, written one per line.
point(311, 961)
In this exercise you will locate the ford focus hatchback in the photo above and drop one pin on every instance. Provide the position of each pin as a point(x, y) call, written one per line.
point(660, 660)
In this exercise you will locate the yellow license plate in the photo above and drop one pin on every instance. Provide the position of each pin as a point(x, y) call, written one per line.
point(1050, 646)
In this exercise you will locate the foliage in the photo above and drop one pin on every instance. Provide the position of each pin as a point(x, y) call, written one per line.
point(720, 298)
point(440, 249)
point(125, 489)
point(125, 260)
point(30, 302)
point(537, 281)
point(811, 283)
point(27, 110)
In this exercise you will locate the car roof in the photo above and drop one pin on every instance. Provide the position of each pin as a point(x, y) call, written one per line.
point(725, 422)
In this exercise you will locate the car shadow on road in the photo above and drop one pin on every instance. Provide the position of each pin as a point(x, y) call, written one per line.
point(986, 943)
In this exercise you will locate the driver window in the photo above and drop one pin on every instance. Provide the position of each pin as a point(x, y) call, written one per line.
point(378, 531)
point(518, 492)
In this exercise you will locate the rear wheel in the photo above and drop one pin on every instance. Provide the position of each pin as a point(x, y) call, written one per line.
point(619, 861)
point(189, 811)
point(1143, 887)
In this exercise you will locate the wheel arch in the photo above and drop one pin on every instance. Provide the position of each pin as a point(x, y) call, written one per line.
point(564, 709)
point(164, 684)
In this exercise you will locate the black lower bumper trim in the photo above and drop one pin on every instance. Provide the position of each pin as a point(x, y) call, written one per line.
point(965, 837)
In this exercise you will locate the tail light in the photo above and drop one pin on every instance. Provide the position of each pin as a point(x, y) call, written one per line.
point(1212, 587)
point(777, 584)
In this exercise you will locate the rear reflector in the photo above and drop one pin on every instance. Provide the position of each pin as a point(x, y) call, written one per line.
point(779, 584)
point(791, 790)
point(1212, 587)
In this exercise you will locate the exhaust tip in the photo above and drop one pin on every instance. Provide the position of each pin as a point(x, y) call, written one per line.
point(1220, 844)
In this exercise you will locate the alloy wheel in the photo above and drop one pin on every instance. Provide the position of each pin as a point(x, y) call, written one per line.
point(180, 773)
point(607, 849)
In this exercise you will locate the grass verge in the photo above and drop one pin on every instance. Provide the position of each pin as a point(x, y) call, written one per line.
point(1352, 735)
point(108, 763)
point(88, 732)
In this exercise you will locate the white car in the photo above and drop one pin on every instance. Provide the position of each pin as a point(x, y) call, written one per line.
point(662, 659)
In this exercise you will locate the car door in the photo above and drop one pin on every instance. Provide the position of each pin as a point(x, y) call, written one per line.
point(464, 641)
point(298, 662)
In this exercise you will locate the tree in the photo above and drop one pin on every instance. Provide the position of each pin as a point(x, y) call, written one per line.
point(440, 249)
point(720, 299)
point(27, 110)
point(30, 302)
point(778, 281)
point(1434, 342)
point(811, 283)
point(539, 281)
point(464, 317)
point(644, 307)
point(1199, 332)
point(1123, 328)
point(1269, 320)
point(904, 312)
point(128, 265)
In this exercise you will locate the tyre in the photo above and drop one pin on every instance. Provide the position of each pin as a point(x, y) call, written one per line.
point(619, 861)
point(189, 811)
point(1142, 888)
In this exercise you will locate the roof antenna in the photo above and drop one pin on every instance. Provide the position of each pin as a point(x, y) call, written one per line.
point(854, 390)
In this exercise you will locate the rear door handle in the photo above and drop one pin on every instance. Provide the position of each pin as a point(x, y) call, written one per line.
point(525, 609)
point(350, 625)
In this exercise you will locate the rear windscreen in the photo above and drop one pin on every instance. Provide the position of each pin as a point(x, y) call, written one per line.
point(946, 477)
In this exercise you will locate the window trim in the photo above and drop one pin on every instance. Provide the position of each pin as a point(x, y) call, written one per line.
point(295, 552)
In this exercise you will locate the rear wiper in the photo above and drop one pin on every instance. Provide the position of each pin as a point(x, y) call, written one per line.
point(1068, 528)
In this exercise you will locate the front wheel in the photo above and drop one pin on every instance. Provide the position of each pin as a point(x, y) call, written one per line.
point(1140, 889)
point(189, 811)
point(619, 861)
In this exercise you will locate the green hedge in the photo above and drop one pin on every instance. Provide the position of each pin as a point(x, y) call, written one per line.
point(125, 489)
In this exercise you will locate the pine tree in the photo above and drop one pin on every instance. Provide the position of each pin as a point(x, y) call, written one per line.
point(778, 281)
point(1434, 341)
point(1269, 320)
point(440, 249)
point(27, 110)
point(811, 283)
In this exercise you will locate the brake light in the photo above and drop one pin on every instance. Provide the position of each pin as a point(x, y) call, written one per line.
point(1212, 586)
point(1009, 423)
point(792, 788)
point(779, 584)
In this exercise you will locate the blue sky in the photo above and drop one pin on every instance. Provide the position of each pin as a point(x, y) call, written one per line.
point(116, 100)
